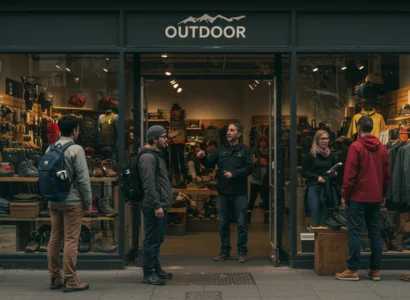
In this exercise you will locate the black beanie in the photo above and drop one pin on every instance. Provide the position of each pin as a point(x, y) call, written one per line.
point(154, 132)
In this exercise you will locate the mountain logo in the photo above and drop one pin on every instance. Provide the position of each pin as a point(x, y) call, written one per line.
point(208, 19)
point(203, 27)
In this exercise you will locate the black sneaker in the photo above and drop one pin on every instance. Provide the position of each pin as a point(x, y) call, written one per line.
point(163, 275)
point(153, 279)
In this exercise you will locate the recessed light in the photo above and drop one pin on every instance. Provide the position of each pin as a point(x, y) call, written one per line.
point(68, 70)
point(168, 73)
point(164, 55)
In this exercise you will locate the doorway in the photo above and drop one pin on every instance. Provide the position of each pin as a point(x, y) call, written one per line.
point(208, 92)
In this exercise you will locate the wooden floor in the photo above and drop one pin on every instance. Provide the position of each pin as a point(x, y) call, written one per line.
point(206, 244)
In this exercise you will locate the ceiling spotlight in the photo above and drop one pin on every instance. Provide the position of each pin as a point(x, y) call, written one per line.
point(168, 73)
point(76, 79)
point(179, 90)
point(105, 70)
point(269, 83)
point(343, 67)
point(251, 87)
point(172, 82)
point(314, 68)
point(256, 81)
point(68, 70)
point(359, 65)
point(164, 55)
point(176, 85)
point(57, 66)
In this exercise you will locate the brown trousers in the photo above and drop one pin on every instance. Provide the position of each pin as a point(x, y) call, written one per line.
point(66, 223)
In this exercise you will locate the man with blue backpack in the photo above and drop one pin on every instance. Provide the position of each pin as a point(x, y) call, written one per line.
point(64, 181)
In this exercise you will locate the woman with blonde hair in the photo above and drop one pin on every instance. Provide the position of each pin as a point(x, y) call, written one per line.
point(315, 166)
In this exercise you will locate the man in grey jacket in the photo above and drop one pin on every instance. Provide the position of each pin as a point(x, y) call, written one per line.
point(66, 216)
point(155, 204)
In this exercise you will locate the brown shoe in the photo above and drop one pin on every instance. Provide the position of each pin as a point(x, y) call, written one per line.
point(405, 277)
point(348, 275)
point(107, 166)
point(74, 285)
point(242, 258)
point(97, 171)
point(222, 256)
point(56, 282)
point(373, 274)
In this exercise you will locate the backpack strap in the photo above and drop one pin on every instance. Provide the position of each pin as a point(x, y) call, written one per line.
point(64, 147)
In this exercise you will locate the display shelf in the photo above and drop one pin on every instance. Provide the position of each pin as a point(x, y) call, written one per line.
point(157, 120)
point(71, 108)
point(39, 219)
point(193, 129)
point(35, 179)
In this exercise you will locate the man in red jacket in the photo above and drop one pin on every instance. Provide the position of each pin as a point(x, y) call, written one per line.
point(365, 183)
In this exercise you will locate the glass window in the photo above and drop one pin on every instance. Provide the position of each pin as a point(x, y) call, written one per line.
point(36, 91)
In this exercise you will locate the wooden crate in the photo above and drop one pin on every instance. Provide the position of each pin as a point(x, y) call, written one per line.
point(9, 238)
point(24, 209)
point(331, 252)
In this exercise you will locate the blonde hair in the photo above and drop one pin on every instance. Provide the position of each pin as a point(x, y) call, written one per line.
point(316, 139)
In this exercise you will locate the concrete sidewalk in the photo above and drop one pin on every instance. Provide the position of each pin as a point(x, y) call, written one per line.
point(270, 283)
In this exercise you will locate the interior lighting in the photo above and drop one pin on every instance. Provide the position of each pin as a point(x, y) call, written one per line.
point(179, 90)
point(168, 73)
point(164, 55)
point(315, 68)
point(105, 70)
point(68, 70)
point(176, 85)
point(58, 67)
point(256, 81)
point(359, 65)
point(251, 87)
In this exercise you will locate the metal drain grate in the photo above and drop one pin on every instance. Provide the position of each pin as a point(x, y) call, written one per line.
point(212, 279)
point(203, 296)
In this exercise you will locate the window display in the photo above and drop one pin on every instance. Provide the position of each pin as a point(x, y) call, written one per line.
point(54, 86)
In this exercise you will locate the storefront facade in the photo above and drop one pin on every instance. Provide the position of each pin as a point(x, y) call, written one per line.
point(292, 32)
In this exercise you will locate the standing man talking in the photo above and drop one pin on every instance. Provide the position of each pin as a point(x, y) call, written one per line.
point(156, 203)
point(366, 180)
point(235, 164)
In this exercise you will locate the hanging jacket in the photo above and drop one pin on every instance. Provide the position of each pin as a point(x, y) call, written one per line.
point(367, 171)
point(378, 123)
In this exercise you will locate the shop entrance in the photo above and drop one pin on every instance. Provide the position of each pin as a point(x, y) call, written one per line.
point(196, 97)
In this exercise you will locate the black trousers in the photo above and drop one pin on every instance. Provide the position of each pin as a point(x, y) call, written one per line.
point(261, 190)
point(178, 158)
point(154, 236)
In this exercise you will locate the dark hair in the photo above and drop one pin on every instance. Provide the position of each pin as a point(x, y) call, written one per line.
point(238, 126)
point(212, 143)
point(67, 124)
point(366, 124)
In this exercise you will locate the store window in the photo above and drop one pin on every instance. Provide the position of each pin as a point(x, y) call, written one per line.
point(333, 92)
point(36, 90)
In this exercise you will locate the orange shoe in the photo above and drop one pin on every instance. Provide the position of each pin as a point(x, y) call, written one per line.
point(348, 275)
point(373, 274)
point(405, 277)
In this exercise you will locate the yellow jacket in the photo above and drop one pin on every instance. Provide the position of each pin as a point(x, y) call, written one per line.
point(378, 123)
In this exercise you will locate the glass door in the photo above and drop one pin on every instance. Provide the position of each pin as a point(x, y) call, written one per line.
point(274, 189)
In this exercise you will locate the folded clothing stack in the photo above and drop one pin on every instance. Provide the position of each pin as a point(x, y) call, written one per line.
point(4, 207)
point(21, 197)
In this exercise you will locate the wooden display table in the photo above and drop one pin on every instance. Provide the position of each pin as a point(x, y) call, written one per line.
point(197, 192)
point(331, 250)
point(183, 212)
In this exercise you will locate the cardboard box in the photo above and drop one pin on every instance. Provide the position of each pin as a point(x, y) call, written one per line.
point(9, 238)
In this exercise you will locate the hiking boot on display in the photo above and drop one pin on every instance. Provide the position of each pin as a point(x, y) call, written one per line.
point(106, 208)
point(84, 243)
point(331, 223)
point(395, 246)
point(242, 258)
point(101, 244)
point(222, 256)
point(89, 161)
point(107, 166)
point(34, 243)
point(74, 285)
point(373, 274)
point(97, 170)
point(26, 169)
point(163, 275)
point(348, 275)
point(45, 238)
point(92, 211)
point(56, 283)
point(6, 170)
point(153, 279)
point(405, 277)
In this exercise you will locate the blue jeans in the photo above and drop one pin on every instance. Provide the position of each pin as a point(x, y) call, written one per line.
point(371, 214)
point(315, 206)
point(238, 203)
point(154, 236)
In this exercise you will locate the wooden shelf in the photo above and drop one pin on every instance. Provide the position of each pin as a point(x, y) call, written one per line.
point(197, 192)
point(35, 179)
point(157, 120)
point(71, 108)
point(193, 129)
point(38, 219)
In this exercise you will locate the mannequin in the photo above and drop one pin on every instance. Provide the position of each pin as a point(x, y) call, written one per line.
point(177, 138)
point(368, 110)
point(108, 128)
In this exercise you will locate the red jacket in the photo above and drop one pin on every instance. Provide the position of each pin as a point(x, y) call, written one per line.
point(367, 171)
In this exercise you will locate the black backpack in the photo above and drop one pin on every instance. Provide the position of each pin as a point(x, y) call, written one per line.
point(130, 179)
point(53, 179)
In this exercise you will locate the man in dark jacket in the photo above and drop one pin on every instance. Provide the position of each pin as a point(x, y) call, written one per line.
point(235, 164)
point(366, 180)
point(155, 204)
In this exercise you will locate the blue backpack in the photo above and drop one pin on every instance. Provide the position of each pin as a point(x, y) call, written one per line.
point(53, 179)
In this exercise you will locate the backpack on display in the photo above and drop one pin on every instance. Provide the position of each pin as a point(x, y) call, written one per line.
point(53, 179)
point(130, 179)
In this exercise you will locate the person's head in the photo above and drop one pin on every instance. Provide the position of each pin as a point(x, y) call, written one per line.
point(211, 146)
point(364, 126)
point(321, 140)
point(234, 132)
point(262, 142)
point(157, 137)
point(69, 127)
